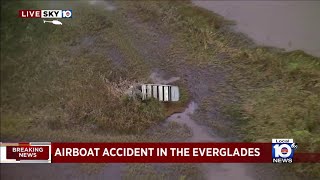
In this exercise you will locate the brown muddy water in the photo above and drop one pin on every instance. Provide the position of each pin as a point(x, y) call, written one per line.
point(201, 133)
point(292, 25)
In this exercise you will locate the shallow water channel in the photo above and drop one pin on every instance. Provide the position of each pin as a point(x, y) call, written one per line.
point(292, 25)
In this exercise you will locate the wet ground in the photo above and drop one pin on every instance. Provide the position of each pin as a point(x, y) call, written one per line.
point(208, 89)
point(201, 133)
point(290, 25)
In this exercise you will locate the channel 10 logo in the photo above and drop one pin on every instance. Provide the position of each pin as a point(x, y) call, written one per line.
point(283, 150)
point(66, 13)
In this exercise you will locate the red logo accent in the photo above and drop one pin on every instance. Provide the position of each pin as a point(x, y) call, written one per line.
point(284, 150)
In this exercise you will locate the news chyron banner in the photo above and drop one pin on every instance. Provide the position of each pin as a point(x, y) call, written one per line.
point(276, 151)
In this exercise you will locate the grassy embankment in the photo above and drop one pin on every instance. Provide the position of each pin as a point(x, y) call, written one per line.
point(66, 83)
point(58, 81)
point(71, 78)
point(279, 91)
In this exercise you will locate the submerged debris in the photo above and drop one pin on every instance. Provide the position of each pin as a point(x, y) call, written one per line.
point(158, 91)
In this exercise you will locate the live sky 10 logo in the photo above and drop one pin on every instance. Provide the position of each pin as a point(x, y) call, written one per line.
point(283, 150)
point(45, 13)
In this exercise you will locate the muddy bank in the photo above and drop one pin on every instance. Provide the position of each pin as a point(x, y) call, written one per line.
point(292, 25)
point(201, 134)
